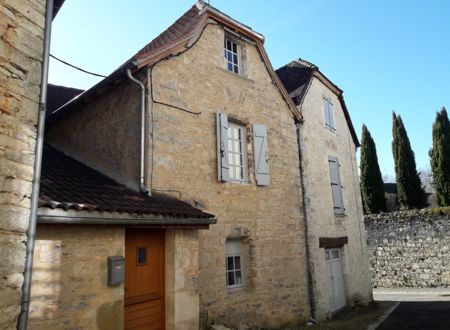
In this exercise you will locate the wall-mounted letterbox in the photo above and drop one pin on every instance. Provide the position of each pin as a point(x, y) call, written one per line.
point(116, 270)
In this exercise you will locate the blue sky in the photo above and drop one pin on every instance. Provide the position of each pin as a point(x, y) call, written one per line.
point(386, 55)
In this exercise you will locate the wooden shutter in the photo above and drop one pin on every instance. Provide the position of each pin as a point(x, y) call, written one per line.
point(327, 114)
point(328, 106)
point(261, 155)
point(336, 189)
point(330, 114)
point(223, 169)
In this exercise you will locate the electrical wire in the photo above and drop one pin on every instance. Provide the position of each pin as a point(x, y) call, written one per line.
point(75, 67)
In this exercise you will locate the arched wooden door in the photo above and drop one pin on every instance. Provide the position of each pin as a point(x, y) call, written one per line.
point(144, 279)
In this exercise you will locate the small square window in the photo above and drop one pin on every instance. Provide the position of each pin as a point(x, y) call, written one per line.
point(234, 251)
point(329, 117)
point(231, 52)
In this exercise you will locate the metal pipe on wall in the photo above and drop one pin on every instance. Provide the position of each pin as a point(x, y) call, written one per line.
point(142, 187)
point(31, 233)
point(311, 293)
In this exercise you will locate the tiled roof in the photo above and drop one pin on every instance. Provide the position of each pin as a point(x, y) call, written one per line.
point(68, 184)
point(182, 27)
point(296, 77)
point(57, 96)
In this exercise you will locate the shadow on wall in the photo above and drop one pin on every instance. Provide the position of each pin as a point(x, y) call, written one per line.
point(69, 287)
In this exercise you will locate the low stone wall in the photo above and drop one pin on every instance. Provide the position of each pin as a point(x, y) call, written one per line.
point(409, 248)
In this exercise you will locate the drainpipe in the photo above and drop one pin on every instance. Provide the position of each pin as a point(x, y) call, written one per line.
point(31, 233)
point(312, 298)
point(142, 187)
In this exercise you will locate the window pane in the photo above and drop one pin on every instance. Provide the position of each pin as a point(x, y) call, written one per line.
point(230, 67)
point(236, 70)
point(230, 146)
point(235, 59)
point(234, 47)
point(335, 254)
point(238, 277)
point(237, 262)
point(229, 57)
point(228, 44)
point(141, 255)
point(230, 263)
point(230, 278)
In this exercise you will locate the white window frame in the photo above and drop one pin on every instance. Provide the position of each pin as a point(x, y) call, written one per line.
point(234, 249)
point(329, 114)
point(237, 153)
point(235, 61)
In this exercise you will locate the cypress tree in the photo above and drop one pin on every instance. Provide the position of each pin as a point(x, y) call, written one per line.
point(372, 189)
point(440, 157)
point(410, 192)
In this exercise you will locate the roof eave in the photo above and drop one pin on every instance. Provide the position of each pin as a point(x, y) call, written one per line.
point(143, 221)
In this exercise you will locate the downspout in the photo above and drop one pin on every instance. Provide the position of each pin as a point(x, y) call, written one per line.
point(31, 233)
point(312, 299)
point(142, 187)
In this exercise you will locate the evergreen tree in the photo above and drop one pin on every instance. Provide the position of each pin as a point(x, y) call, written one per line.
point(372, 189)
point(440, 157)
point(410, 192)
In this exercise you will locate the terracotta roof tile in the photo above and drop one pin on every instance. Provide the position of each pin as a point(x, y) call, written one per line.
point(68, 184)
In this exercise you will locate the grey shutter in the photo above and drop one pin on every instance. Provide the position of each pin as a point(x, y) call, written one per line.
point(327, 112)
point(336, 189)
point(261, 155)
point(223, 169)
point(330, 114)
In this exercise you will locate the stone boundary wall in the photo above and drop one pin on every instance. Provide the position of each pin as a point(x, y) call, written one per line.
point(409, 248)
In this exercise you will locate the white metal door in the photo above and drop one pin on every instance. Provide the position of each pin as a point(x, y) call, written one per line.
point(337, 288)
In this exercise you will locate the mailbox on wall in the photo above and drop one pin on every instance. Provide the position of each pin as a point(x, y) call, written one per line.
point(116, 270)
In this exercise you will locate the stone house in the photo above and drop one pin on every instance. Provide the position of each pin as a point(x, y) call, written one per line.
point(336, 242)
point(199, 121)
point(171, 195)
point(22, 27)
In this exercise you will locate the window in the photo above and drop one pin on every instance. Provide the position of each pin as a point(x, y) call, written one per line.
point(234, 262)
point(336, 188)
point(231, 51)
point(236, 152)
point(232, 152)
point(329, 119)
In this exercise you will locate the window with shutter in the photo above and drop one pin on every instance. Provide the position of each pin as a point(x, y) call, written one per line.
point(329, 119)
point(231, 150)
point(336, 188)
point(261, 155)
point(223, 168)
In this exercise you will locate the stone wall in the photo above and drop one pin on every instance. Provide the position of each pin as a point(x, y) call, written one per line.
point(21, 45)
point(409, 248)
point(182, 158)
point(69, 286)
point(105, 133)
point(268, 219)
point(317, 144)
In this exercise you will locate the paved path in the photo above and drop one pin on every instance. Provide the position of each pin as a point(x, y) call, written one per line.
point(419, 309)
point(431, 315)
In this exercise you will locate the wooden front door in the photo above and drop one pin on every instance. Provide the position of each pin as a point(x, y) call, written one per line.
point(144, 279)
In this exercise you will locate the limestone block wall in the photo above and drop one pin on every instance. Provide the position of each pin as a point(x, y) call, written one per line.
point(105, 133)
point(409, 248)
point(268, 219)
point(21, 45)
point(317, 143)
point(69, 286)
point(182, 279)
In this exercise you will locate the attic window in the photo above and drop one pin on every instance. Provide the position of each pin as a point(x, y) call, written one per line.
point(231, 51)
